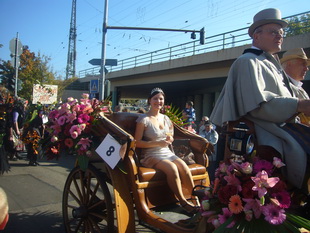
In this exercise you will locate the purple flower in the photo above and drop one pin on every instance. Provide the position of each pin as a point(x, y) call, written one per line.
point(61, 120)
point(283, 198)
point(263, 165)
point(53, 114)
point(83, 118)
point(273, 214)
point(226, 215)
point(253, 204)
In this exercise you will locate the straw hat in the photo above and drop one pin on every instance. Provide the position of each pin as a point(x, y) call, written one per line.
point(270, 15)
point(293, 54)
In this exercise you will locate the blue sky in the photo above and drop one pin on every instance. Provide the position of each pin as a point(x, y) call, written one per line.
point(44, 25)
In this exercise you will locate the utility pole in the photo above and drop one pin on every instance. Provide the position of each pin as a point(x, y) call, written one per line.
point(105, 27)
point(103, 48)
point(70, 70)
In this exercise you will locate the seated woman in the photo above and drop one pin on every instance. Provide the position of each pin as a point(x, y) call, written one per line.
point(154, 133)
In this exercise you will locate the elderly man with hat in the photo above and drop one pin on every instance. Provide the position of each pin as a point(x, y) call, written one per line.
point(257, 89)
point(295, 64)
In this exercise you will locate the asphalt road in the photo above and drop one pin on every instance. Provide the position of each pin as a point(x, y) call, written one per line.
point(35, 195)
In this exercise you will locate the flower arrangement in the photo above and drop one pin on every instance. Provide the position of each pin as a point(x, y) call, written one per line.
point(174, 114)
point(250, 196)
point(70, 126)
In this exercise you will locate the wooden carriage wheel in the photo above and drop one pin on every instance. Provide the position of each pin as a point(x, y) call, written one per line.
point(87, 204)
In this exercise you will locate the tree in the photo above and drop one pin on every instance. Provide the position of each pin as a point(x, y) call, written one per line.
point(298, 25)
point(6, 74)
point(33, 69)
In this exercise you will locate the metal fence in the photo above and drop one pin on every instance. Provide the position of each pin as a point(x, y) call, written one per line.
point(225, 40)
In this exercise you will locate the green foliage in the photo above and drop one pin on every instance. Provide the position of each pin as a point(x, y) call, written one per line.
point(33, 69)
point(298, 25)
point(290, 225)
point(174, 113)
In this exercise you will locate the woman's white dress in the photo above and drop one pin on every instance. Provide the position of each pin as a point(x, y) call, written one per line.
point(151, 156)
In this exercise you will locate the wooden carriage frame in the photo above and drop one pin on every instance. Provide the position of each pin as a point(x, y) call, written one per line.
point(135, 188)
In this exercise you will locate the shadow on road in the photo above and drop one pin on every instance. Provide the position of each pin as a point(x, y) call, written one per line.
point(45, 222)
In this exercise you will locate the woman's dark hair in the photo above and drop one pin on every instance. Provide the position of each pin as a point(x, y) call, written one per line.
point(154, 92)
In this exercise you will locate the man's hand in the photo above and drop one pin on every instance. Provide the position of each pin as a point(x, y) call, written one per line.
point(304, 106)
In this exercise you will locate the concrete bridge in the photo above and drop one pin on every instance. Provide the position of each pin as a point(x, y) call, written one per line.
point(199, 78)
point(192, 72)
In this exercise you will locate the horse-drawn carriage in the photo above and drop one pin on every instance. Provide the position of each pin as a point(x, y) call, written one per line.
point(101, 199)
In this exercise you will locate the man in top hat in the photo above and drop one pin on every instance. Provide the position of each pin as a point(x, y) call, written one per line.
point(258, 90)
point(295, 64)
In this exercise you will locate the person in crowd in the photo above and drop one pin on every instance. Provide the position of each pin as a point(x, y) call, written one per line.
point(201, 125)
point(209, 133)
point(190, 112)
point(154, 134)
point(295, 64)
point(15, 121)
point(189, 125)
point(212, 136)
point(32, 136)
point(4, 209)
point(141, 110)
point(118, 108)
point(258, 90)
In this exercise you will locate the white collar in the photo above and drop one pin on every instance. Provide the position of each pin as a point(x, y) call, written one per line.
point(295, 82)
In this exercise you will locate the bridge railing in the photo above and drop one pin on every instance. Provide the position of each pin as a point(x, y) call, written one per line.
point(225, 40)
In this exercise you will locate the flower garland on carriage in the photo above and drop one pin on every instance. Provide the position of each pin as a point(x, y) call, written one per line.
point(70, 124)
point(249, 194)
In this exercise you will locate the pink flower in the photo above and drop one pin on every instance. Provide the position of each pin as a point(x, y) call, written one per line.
point(262, 182)
point(232, 180)
point(53, 114)
point(222, 167)
point(85, 143)
point(76, 108)
point(226, 215)
point(75, 131)
point(61, 120)
point(56, 128)
point(69, 142)
point(85, 96)
point(283, 198)
point(254, 205)
point(246, 168)
point(75, 128)
point(74, 134)
point(83, 118)
point(54, 139)
point(263, 165)
point(71, 117)
point(64, 108)
point(277, 162)
point(273, 214)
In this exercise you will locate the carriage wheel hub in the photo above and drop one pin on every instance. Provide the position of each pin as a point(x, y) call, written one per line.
point(79, 212)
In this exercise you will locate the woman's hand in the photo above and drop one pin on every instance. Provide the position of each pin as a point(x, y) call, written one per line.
point(163, 143)
point(169, 139)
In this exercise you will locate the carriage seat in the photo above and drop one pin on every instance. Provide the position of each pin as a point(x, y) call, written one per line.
point(198, 147)
point(122, 126)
